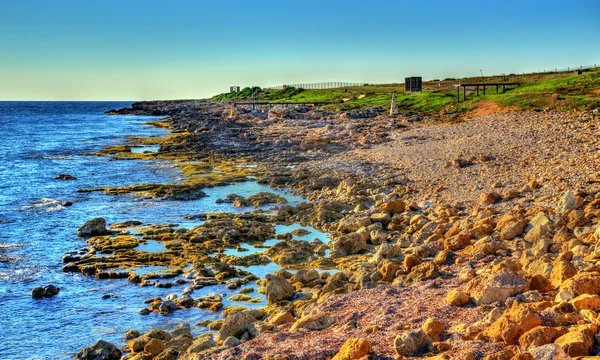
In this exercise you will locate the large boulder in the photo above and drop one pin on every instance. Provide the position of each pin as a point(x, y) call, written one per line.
point(102, 350)
point(278, 289)
point(496, 286)
point(93, 227)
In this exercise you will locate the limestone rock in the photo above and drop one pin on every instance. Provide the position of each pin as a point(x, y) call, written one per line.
point(583, 283)
point(496, 286)
point(457, 297)
point(576, 343)
point(549, 352)
point(236, 325)
point(567, 202)
point(412, 343)
point(314, 322)
point(353, 349)
point(433, 328)
point(541, 335)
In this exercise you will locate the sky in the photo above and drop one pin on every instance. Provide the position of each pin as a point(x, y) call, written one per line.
point(144, 50)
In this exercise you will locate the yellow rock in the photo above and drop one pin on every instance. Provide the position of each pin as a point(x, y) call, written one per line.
point(576, 343)
point(353, 348)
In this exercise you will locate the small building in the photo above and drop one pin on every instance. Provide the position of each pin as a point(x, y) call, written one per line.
point(413, 84)
point(234, 89)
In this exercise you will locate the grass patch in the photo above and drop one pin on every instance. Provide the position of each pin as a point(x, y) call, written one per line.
point(565, 91)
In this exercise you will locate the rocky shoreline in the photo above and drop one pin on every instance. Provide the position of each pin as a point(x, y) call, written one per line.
point(451, 238)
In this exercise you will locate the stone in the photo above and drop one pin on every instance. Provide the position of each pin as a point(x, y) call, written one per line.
point(422, 272)
point(202, 343)
point(131, 334)
point(278, 289)
point(44, 291)
point(576, 343)
point(457, 297)
point(393, 206)
point(561, 271)
point(489, 198)
point(496, 286)
point(567, 202)
point(167, 307)
point(154, 347)
point(93, 227)
point(433, 328)
point(549, 352)
point(583, 283)
point(410, 261)
point(586, 302)
point(412, 343)
point(512, 229)
point(353, 349)
point(314, 322)
point(101, 350)
point(513, 323)
point(541, 335)
point(231, 342)
point(282, 317)
point(236, 325)
point(65, 177)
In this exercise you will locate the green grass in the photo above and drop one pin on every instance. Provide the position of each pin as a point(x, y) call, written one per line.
point(557, 91)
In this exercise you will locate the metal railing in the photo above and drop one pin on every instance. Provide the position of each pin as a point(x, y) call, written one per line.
point(322, 85)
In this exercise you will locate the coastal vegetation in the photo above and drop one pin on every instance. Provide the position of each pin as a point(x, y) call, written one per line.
point(560, 91)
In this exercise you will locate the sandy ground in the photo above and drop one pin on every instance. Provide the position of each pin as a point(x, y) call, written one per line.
point(559, 150)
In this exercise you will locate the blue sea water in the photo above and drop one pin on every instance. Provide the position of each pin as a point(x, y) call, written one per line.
point(38, 141)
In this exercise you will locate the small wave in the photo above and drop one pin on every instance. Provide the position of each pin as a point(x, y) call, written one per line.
point(46, 205)
point(10, 246)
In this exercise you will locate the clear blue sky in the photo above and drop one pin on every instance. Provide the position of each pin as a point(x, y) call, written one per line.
point(139, 50)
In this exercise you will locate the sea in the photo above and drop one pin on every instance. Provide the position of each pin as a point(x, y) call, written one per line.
point(39, 217)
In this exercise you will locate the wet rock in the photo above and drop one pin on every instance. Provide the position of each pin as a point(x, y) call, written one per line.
point(290, 252)
point(314, 322)
point(93, 227)
point(102, 350)
point(278, 289)
point(65, 177)
point(412, 343)
point(44, 291)
point(167, 307)
point(353, 349)
point(496, 286)
point(131, 334)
